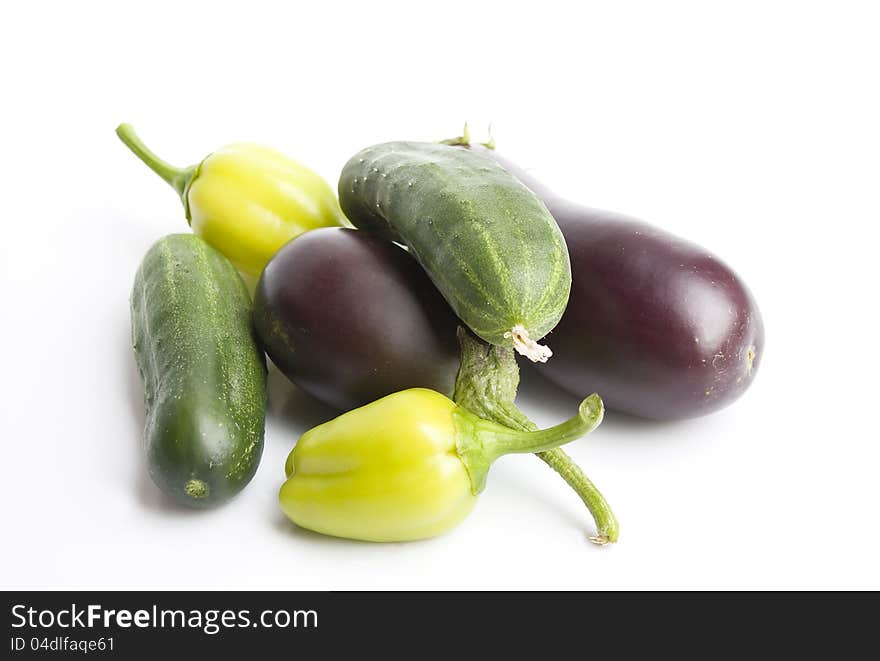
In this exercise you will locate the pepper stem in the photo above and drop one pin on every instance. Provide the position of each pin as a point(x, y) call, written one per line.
point(486, 386)
point(480, 442)
point(499, 440)
point(178, 178)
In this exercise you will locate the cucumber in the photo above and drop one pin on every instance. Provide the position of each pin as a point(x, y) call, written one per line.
point(204, 375)
point(488, 243)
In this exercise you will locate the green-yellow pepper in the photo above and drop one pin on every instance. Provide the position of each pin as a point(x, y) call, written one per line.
point(405, 467)
point(246, 200)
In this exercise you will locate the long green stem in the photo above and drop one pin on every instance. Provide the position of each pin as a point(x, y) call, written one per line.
point(607, 529)
point(486, 386)
point(178, 178)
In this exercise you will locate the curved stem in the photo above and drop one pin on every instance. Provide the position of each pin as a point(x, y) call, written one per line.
point(497, 440)
point(178, 178)
point(480, 442)
point(607, 528)
point(486, 386)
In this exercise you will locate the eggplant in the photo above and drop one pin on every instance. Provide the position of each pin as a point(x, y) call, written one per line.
point(350, 318)
point(658, 326)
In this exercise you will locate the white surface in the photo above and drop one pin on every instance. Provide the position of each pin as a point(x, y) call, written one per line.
point(752, 129)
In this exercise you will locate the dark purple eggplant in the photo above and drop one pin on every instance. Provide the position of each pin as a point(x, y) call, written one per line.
point(658, 326)
point(350, 318)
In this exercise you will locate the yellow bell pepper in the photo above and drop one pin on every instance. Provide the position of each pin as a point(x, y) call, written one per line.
point(405, 467)
point(246, 200)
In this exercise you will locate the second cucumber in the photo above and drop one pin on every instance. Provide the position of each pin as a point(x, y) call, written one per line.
point(488, 243)
point(204, 375)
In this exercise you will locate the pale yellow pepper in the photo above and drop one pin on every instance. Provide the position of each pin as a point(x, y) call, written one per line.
point(406, 467)
point(246, 200)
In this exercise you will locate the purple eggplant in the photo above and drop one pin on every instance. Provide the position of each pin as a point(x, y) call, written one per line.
point(658, 326)
point(350, 318)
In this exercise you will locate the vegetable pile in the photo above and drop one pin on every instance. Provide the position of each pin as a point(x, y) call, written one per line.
point(411, 325)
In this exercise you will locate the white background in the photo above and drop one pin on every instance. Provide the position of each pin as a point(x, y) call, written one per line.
point(752, 128)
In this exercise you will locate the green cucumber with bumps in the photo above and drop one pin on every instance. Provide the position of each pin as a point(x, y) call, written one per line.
point(203, 372)
point(487, 242)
